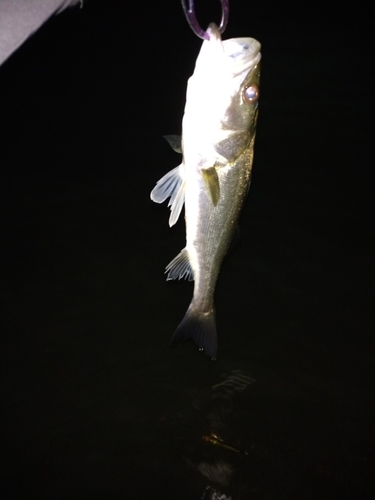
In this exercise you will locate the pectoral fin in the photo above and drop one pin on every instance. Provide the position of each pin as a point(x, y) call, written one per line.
point(211, 182)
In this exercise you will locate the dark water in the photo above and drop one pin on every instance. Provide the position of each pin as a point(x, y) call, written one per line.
point(95, 404)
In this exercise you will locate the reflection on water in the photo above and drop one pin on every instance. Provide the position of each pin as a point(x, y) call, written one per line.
point(219, 472)
point(209, 434)
point(223, 405)
point(213, 494)
point(235, 381)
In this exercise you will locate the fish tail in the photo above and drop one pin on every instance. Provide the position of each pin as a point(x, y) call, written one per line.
point(201, 327)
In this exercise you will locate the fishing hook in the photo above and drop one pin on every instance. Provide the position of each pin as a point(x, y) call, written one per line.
point(192, 19)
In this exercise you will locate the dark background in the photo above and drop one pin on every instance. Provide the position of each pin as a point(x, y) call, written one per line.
point(95, 404)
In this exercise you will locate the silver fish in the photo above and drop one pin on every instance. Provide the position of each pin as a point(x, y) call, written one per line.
point(218, 133)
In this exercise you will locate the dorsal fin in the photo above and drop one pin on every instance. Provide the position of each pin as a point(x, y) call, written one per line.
point(174, 141)
point(171, 185)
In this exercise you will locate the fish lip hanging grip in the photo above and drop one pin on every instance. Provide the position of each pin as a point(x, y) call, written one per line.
point(193, 22)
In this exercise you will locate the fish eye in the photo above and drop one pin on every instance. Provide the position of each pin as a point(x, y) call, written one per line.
point(251, 93)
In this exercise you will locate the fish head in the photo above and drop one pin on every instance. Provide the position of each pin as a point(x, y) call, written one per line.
point(222, 97)
point(243, 74)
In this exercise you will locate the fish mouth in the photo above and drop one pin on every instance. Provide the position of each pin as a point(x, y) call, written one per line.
point(242, 53)
point(233, 56)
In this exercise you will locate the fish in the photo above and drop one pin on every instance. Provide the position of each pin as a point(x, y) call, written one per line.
point(213, 179)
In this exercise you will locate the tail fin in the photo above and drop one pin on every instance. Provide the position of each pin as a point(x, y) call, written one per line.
point(201, 327)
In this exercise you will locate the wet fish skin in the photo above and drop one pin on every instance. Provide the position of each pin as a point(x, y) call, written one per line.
point(219, 126)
